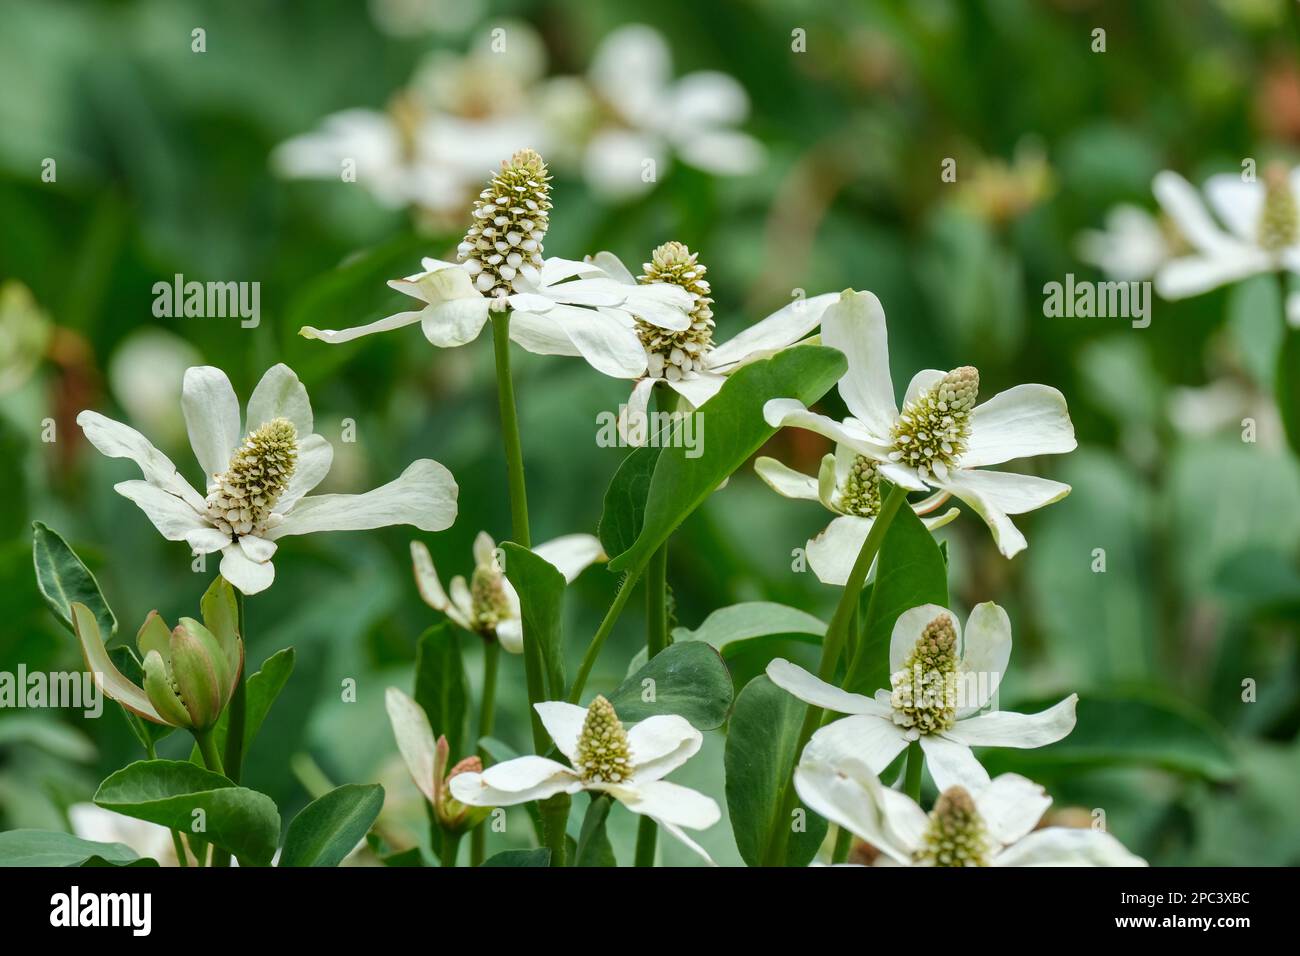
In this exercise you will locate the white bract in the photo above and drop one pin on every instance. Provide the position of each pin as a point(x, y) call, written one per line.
point(627, 764)
point(848, 485)
point(1132, 246)
point(941, 437)
point(427, 760)
point(991, 824)
point(557, 306)
point(1262, 234)
point(652, 116)
point(940, 681)
point(257, 477)
point(148, 840)
point(489, 605)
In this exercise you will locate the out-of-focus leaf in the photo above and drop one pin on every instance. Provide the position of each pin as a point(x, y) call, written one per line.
point(538, 857)
point(441, 686)
point(51, 848)
point(1288, 387)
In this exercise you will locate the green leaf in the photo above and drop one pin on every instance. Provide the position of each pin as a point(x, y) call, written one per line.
point(1132, 727)
point(261, 690)
point(51, 848)
point(593, 843)
point(441, 686)
point(910, 571)
point(538, 857)
point(730, 428)
point(64, 580)
point(1288, 386)
point(541, 592)
point(326, 830)
point(761, 742)
point(168, 792)
point(729, 627)
point(625, 498)
point(689, 679)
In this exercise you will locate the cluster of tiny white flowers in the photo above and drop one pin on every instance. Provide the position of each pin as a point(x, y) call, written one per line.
point(676, 355)
point(924, 691)
point(860, 491)
point(603, 755)
point(240, 499)
point(488, 604)
point(931, 433)
point(510, 220)
point(957, 835)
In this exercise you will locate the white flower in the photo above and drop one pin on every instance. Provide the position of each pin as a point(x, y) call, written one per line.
point(1263, 231)
point(686, 359)
point(940, 438)
point(628, 765)
point(939, 682)
point(489, 605)
point(558, 306)
point(1131, 247)
point(257, 477)
point(848, 485)
point(991, 824)
point(695, 116)
point(427, 760)
point(148, 840)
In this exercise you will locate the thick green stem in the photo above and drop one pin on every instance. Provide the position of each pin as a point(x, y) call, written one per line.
point(237, 710)
point(486, 721)
point(450, 848)
point(555, 822)
point(832, 645)
point(602, 632)
point(915, 761)
point(510, 431)
point(656, 639)
point(151, 752)
point(843, 843)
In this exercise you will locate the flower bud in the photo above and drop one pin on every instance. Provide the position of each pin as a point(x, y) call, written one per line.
point(454, 816)
point(189, 676)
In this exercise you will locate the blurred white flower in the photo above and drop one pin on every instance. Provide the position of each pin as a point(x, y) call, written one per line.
point(411, 18)
point(628, 765)
point(652, 116)
point(940, 438)
point(148, 840)
point(940, 681)
point(257, 484)
point(489, 605)
point(427, 760)
point(1131, 246)
point(991, 824)
point(145, 373)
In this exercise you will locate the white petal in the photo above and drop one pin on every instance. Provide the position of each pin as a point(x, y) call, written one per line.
point(709, 98)
point(600, 290)
point(484, 550)
point(833, 553)
point(872, 741)
point(951, 764)
point(257, 549)
point(414, 736)
point(613, 267)
point(908, 627)
point(616, 158)
point(540, 335)
point(1022, 421)
point(659, 303)
point(986, 649)
point(247, 575)
point(634, 422)
point(671, 802)
point(510, 635)
point(698, 388)
point(995, 494)
point(811, 689)
point(791, 413)
point(563, 721)
point(782, 328)
point(631, 69)
point(1180, 201)
point(514, 782)
point(280, 395)
point(211, 412)
point(337, 336)
point(426, 578)
point(315, 456)
point(121, 441)
point(680, 836)
point(439, 282)
point(921, 382)
point(784, 480)
point(555, 269)
point(174, 519)
point(726, 152)
point(1192, 275)
point(1011, 806)
point(849, 797)
point(661, 744)
point(424, 495)
point(1002, 728)
point(609, 345)
point(1237, 203)
point(1067, 846)
point(455, 322)
point(856, 326)
point(206, 540)
point(571, 554)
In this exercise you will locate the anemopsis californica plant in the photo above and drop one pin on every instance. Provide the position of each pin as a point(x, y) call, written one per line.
point(257, 477)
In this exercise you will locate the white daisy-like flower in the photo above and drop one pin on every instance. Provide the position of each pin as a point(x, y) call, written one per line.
point(604, 757)
point(848, 485)
point(257, 477)
point(686, 359)
point(991, 824)
point(652, 116)
point(940, 681)
point(940, 438)
point(1262, 234)
point(558, 306)
point(489, 605)
point(148, 840)
point(1132, 245)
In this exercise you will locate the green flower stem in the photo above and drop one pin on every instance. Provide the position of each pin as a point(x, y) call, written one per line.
point(486, 721)
point(602, 632)
point(151, 752)
point(510, 431)
point(915, 761)
point(555, 823)
point(656, 639)
point(843, 843)
point(832, 645)
point(237, 709)
point(450, 848)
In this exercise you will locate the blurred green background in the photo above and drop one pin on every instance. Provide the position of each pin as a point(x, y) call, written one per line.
point(164, 165)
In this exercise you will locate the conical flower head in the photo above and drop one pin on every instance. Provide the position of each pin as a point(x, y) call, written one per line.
point(860, 490)
point(603, 754)
point(241, 498)
point(190, 679)
point(932, 430)
point(510, 220)
point(924, 694)
point(675, 354)
point(957, 835)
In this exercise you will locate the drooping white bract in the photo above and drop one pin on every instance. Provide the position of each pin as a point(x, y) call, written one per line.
point(489, 605)
point(941, 439)
point(1131, 247)
point(990, 824)
point(257, 476)
point(628, 765)
point(940, 681)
